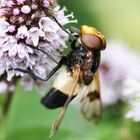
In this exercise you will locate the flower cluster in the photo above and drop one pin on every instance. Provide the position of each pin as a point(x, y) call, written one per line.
point(26, 24)
point(118, 63)
point(131, 95)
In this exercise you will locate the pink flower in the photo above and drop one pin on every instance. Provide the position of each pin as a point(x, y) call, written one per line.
point(59, 15)
point(26, 9)
point(28, 24)
point(118, 63)
point(11, 28)
point(46, 3)
point(16, 11)
point(20, 1)
point(10, 3)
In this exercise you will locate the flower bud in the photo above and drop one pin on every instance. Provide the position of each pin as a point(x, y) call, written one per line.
point(26, 9)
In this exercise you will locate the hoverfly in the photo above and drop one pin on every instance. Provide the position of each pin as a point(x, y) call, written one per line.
point(79, 69)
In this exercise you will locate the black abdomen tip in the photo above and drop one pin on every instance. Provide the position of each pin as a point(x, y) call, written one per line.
point(54, 99)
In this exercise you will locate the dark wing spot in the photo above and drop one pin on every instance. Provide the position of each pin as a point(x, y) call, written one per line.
point(93, 95)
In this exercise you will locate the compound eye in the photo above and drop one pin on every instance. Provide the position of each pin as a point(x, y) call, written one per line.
point(92, 42)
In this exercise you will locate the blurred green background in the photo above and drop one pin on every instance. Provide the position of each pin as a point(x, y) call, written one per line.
point(119, 19)
point(29, 120)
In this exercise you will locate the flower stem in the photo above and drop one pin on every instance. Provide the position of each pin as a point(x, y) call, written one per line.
point(7, 102)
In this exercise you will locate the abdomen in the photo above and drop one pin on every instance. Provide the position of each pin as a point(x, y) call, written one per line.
point(57, 96)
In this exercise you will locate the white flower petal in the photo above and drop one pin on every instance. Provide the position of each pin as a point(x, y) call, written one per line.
point(3, 27)
point(34, 34)
point(35, 40)
point(40, 70)
point(22, 32)
point(3, 86)
point(10, 74)
point(2, 67)
point(29, 49)
point(12, 51)
point(46, 24)
point(21, 50)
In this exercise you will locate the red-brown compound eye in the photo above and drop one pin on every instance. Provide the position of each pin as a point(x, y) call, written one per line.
point(92, 42)
point(92, 39)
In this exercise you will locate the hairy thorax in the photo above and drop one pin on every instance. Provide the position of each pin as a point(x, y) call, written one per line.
point(84, 59)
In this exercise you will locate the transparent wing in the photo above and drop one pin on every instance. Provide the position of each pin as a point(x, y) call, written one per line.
point(91, 103)
point(75, 76)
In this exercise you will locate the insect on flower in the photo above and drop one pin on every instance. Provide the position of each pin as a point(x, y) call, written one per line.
point(78, 69)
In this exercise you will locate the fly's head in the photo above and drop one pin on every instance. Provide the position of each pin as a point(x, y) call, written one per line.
point(92, 39)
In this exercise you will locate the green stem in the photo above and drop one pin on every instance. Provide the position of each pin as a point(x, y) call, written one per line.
point(7, 102)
